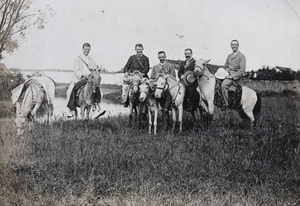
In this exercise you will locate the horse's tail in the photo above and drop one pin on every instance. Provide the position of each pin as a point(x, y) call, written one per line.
point(257, 107)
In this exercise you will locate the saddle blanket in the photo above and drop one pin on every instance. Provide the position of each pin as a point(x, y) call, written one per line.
point(75, 94)
point(234, 97)
point(42, 81)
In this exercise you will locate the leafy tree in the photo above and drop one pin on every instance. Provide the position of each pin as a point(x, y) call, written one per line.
point(18, 18)
point(8, 82)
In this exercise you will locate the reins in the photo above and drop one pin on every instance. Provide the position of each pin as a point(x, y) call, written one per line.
point(169, 89)
point(203, 71)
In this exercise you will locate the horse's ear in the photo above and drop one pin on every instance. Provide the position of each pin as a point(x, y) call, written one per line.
point(206, 61)
point(160, 75)
point(99, 69)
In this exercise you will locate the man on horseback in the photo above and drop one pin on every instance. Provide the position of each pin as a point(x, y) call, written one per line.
point(235, 65)
point(163, 67)
point(186, 76)
point(138, 62)
point(82, 65)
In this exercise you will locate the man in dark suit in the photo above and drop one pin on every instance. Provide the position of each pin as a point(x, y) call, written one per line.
point(138, 62)
point(191, 95)
point(235, 65)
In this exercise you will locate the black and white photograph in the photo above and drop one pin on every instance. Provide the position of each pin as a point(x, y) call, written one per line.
point(161, 102)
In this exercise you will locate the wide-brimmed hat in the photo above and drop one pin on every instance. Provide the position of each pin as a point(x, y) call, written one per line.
point(189, 78)
point(221, 73)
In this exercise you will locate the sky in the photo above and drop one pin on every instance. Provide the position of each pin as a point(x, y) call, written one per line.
point(268, 32)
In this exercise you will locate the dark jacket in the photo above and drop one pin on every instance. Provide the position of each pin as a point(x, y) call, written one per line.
point(183, 68)
point(134, 63)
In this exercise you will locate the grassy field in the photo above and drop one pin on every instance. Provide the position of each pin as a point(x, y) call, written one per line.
point(105, 162)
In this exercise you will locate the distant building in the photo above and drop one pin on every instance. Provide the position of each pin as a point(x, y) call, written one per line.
point(283, 69)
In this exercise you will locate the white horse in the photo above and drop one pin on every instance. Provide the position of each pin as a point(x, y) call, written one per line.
point(35, 96)
point(177, 92)
point(147, 94)
point(250, 100)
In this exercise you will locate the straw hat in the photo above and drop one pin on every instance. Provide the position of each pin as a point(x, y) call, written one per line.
point(188, 78)
point(221, 73)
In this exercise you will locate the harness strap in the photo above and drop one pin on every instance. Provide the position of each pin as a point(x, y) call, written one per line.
point(173, 100)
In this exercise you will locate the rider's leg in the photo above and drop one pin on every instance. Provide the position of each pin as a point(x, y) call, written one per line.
point(125, 88)
point(224, 87)
point(69, 92)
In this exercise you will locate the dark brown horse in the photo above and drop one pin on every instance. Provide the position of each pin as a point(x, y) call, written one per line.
point(134, 102)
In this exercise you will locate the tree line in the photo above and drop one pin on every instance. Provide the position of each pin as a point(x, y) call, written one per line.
point(274, 74)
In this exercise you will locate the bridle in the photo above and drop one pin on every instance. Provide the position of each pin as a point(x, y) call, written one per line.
point(167, 88)
point(202, 70)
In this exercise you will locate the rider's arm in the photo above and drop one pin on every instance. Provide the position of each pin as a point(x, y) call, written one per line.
point(242, 68)
point(128, 65)
point(146, 68)
point(227, 64)
point(181, 70)
point(76, 68)
point(173, 71)
point(153, 73)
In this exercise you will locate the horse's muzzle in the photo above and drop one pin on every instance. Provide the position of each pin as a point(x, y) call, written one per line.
point(142, 97)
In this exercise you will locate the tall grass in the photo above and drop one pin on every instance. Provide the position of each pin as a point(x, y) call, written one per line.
point(105, 162)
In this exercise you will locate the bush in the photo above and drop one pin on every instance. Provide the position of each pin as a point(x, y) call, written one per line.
point(8, 83)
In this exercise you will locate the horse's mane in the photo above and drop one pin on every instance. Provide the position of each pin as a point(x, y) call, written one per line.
point(172, 77)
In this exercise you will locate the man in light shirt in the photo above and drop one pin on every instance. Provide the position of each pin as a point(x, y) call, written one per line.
point(163, 67)
point(235, 65)
point(82, 66)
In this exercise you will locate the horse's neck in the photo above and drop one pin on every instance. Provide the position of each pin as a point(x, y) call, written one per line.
point(207, 72)
point(171, 82)
point(26, 103)
point(88, 91)
point(172, 85)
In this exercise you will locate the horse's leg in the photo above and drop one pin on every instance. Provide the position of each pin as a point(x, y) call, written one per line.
point(140, 114)
point(155, 120)
point(130, 113)
point(165, 119)
point(82, 112)
point(47, 108)
point(174, 118)
point(35, 108)
point(180, 112)
point(211, 108)
point(193, 115)
point(150, 120)
point(18, 106)
point(249, 113)
point(88, 112)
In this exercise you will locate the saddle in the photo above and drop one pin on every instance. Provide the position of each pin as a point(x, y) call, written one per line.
point(234, 96)
point(76, 91)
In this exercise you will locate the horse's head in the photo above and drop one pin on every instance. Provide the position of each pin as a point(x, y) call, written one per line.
point(21, 124)
point(22, 121)
point(200, 66)
point(144, 89)
point(160, 86)
point(135, 81)
point(95, 79)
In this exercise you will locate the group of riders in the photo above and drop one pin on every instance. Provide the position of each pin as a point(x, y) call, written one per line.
point(228, 77)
